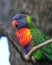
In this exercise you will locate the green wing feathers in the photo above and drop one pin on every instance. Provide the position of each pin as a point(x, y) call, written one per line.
point(37, 38)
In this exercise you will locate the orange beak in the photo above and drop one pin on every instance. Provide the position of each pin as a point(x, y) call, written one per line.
point(14, 23)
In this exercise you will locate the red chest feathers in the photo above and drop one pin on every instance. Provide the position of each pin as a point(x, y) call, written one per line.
point(24, 36)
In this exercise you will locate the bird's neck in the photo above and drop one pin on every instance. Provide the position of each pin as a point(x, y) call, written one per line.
point(31, 25)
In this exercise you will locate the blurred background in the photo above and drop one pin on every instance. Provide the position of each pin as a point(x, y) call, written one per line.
point(40, 12)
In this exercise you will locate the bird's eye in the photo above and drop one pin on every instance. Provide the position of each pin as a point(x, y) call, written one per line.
point(22, 23)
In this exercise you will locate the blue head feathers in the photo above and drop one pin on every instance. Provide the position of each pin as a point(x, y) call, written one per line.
point(20, 19)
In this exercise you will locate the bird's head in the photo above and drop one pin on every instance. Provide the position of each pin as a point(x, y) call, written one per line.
point(19, 20)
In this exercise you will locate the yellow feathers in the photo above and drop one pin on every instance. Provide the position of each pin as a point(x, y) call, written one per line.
point(28, 18)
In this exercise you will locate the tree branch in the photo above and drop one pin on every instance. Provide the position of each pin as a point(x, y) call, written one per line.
point(10, 39)
point(39, 46)
point(27, 56)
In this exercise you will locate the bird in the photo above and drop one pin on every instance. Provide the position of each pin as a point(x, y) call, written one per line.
point(29, 36)
point(4, 49)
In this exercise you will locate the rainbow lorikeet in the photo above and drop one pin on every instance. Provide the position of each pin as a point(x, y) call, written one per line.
point(29, 36)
